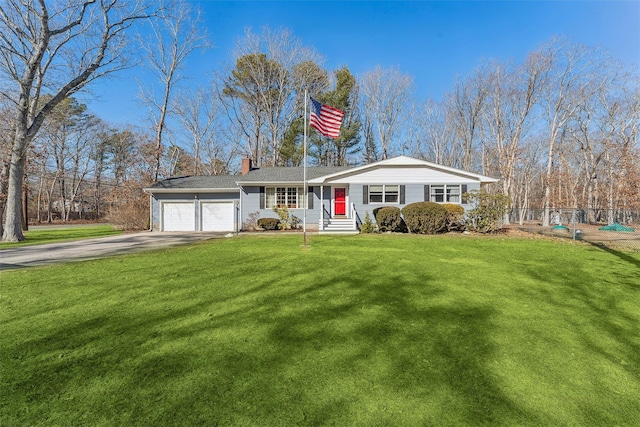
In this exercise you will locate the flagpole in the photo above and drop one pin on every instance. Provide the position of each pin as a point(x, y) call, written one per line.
point(304, 173)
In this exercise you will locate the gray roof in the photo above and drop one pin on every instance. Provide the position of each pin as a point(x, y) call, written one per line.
point(266, 175)
point(289, 174)
point(213, 181)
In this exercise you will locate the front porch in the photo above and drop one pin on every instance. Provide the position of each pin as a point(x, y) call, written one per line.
point(342, 224)
point(337, 214)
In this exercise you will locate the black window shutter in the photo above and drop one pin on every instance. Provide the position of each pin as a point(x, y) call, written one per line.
point(402, 202)
point(426, 193)
point(463, 196)
point(365, 194)
point(261, 197)
point(310, 198)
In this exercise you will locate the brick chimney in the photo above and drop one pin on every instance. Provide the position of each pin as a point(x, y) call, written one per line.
point(246, 165)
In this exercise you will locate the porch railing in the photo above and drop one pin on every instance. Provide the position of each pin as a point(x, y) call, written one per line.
point(355, 218)
point(324, 220)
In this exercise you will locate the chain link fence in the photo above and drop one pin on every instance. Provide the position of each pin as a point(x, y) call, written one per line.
point(614, 228)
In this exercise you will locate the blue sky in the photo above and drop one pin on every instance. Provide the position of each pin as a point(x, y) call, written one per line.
point(433, 41)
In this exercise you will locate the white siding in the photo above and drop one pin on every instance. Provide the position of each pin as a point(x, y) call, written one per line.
point(404, 175)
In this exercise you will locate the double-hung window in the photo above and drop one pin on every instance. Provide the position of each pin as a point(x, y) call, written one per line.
point(384, 194)
point(453, 193)
point(445, 193)
point(289, 197)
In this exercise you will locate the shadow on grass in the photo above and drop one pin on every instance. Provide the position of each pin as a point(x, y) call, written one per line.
point(295, 342)
point(623, 256)
point(599, 313)
point(349, 348)
point(387, 349)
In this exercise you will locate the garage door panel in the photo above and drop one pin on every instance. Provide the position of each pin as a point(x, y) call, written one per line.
point(217, 216)
point(179, 217)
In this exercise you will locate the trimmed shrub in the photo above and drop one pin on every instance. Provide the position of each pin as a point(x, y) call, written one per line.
point(268, 223)
point(367, 226)
point(455, 216)
point(388, 218)
point(425, 217)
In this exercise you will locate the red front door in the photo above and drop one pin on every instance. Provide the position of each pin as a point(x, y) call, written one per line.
point(340, 201)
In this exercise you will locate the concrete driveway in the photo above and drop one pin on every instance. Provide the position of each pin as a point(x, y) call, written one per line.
point(56, 253)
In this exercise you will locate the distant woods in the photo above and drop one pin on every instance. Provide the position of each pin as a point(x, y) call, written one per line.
point(559, 129)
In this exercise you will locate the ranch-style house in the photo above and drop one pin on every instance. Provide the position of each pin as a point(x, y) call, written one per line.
point(337, 197)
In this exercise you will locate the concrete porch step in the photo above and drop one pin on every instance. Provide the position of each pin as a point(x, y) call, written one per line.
point(339, 225)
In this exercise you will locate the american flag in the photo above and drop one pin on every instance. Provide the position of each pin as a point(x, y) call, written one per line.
point(325, 119)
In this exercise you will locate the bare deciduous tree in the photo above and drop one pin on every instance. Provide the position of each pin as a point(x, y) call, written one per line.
point(56, 47)
point(573, 80)
point(437, 145)
point(175, 36)
point(384, 94)
point(618, 129)
point(465, 106)
point(512, 97)
point(61, 156)
point(199, 116)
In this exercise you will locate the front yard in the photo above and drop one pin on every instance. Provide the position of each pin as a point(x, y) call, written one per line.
point(358, 330)
point(63, 234)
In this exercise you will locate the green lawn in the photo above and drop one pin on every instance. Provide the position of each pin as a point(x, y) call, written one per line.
point(357, 330)
point(53, 235)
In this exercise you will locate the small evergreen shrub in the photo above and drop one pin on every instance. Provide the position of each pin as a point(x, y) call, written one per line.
point(487, 212)
point(367, 226)
point(455, 216)
point(425, 217)
point(268, 223)
point(389, 218)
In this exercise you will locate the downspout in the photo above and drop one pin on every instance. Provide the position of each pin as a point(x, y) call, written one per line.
point(150, 212)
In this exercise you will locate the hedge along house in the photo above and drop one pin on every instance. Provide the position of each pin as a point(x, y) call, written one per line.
point(337, 198)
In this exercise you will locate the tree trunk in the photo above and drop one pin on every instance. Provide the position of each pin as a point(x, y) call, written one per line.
point(50, 201)
point(507, 191)
point(40, 187)
point(3, 189)
point(547, 182)
point(25, 207)
point(159, 146)
point(13, 224)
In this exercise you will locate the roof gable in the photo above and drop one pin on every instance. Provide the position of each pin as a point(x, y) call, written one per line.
point(404, 170)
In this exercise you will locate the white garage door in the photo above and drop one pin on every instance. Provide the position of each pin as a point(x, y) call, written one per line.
point(217, 216)
point(178, 217)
